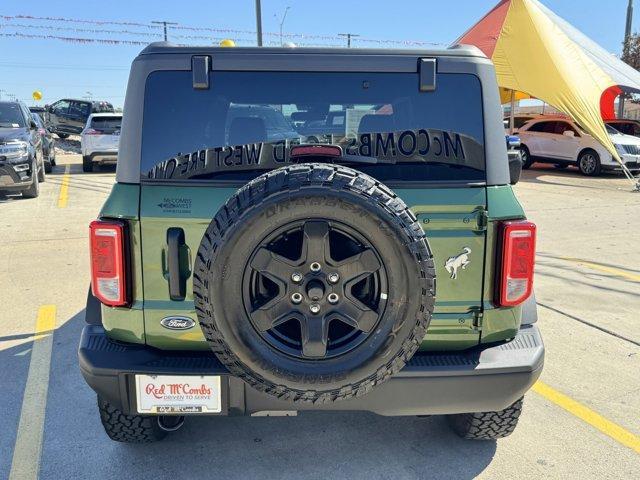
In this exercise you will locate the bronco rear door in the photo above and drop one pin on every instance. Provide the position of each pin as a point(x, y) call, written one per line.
point(422, 137)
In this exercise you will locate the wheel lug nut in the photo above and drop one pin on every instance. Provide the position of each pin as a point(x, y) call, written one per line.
point(333, 278)
point(314, 307)
point(333, 298)
point(296, 277)
point(315, 267)
point(296, 298)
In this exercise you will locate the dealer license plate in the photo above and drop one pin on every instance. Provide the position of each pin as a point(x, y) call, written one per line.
point(176, 394)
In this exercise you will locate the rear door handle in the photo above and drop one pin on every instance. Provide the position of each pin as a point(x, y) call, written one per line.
point(177, 282)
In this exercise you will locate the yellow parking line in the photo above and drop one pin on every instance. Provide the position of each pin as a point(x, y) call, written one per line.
point(64, 188)
point(28, 448)
point(594, 419)
point(603, 268)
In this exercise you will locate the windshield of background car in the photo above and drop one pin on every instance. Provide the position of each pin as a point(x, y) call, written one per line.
point(37, 119)
point(611, 130)
point(11, 116)
point(106, 124)
point(247, 122)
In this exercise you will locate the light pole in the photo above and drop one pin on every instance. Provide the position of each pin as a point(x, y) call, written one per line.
point(259, 22)
point(627, 34)
point(164, 25)
point(282, 23)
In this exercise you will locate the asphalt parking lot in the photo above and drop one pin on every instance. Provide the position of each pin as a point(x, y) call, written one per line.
point(581, 421)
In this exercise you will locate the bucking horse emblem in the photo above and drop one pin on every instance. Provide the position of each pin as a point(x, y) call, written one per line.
point(459, 261)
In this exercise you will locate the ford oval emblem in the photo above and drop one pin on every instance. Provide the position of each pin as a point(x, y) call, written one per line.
point(177, 323)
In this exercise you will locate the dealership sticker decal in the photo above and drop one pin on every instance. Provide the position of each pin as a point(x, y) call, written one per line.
point(161, 394)
point(175, 205)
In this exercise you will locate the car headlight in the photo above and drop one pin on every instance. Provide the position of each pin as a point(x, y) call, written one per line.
point(14, 149)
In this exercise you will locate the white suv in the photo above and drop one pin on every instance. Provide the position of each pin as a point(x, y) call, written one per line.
point(100, 139)
point(561, 141)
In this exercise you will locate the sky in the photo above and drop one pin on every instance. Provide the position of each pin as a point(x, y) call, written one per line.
point(61, 69)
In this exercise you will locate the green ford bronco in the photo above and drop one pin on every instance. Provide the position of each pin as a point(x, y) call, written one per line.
point(311, 229)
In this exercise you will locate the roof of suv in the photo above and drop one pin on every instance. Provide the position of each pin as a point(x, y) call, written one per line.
point(455, 51)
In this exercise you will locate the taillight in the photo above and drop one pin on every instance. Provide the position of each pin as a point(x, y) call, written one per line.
point(108, 262)
point(518, 244)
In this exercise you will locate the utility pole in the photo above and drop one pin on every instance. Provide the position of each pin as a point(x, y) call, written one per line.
point(164, 24)
point(282, 23)
point(349, 36)
point(259, 22)
point(627, 34)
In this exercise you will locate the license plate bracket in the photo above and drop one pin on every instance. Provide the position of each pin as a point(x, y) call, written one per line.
point(178, 394)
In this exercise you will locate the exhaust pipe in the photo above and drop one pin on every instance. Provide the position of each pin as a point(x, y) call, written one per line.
point(170, 423)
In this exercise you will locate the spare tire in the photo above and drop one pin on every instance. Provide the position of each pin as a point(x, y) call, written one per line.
point(314, 283)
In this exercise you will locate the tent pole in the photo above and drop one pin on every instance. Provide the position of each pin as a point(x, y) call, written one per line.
point(512, 113)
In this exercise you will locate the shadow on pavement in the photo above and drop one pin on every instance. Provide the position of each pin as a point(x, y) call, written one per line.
point(578, 260)
point(533, 175)
point(312, 445)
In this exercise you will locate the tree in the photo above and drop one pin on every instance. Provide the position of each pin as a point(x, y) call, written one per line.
point(631, 56)
point(631, 51)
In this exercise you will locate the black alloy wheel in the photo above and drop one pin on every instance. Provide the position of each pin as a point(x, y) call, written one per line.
point(315, 289)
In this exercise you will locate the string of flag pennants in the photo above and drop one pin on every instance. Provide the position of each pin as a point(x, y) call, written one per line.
point(107, 41)
point(302, 39)
point(104, 41)
point(152, 35)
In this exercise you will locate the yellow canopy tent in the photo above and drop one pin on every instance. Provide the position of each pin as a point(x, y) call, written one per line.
point(507, 95)
point(537, 52)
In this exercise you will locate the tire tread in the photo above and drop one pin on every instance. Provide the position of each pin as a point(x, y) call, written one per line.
point(487, 425)
point(128, 428)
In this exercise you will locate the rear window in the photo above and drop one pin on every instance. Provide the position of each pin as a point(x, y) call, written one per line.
point(106, 124)
point(102, 107)
point(247, 123)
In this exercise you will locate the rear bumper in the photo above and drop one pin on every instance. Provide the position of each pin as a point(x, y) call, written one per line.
point(487, 378)
point(103, 157)
point(68, 129)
